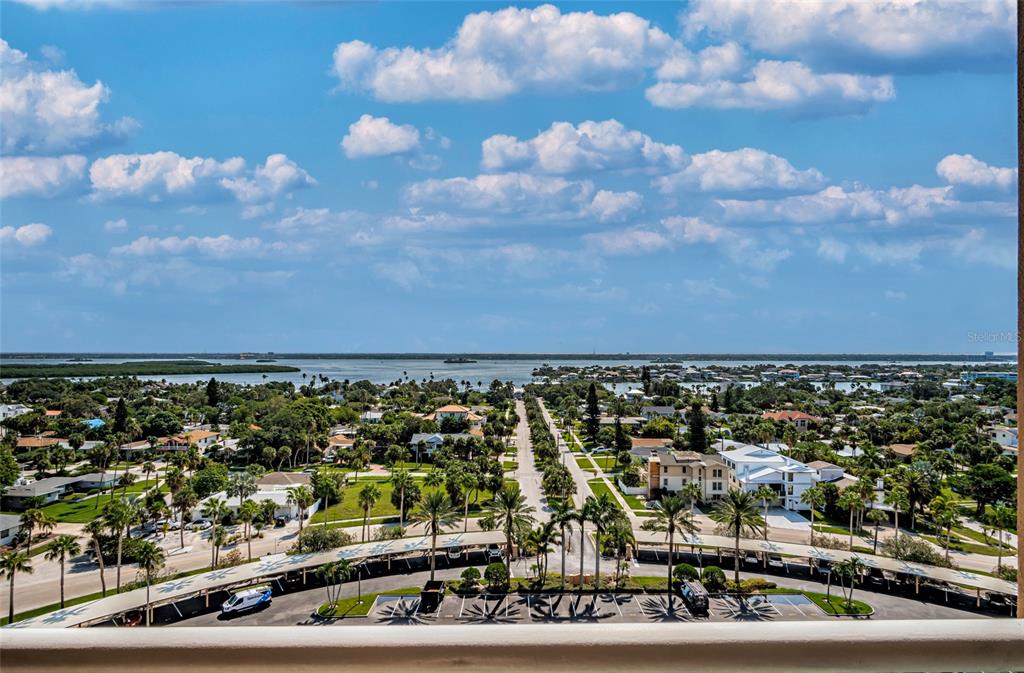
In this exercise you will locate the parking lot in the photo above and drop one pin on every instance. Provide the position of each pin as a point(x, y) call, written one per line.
point(593, 608)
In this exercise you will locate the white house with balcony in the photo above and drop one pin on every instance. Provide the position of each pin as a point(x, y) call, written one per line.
point(752, 467)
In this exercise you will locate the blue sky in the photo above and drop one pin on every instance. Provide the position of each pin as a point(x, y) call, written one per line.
point(702, 177)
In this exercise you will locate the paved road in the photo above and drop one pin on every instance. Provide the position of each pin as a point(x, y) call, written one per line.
point(526, 474)
point(297, 608)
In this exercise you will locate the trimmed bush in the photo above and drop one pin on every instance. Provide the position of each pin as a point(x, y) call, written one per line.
point(497, 576)
point(713, 578)
point(470, 579)
point(684, 571)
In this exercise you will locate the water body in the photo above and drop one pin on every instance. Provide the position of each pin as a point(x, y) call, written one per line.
point(519, 372)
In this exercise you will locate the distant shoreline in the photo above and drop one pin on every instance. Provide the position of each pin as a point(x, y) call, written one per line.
point(140, 368)
point(554, 357)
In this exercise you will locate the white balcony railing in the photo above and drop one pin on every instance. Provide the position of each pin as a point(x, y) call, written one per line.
point(842, 645)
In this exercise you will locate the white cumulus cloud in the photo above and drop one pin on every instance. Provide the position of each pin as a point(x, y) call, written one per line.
point(50, 110)
point(377, 136)
point(163, 176)
point(565, 148)
point(883, 35)
point(495, 54)
point(966, 170)
point(40, 176)
point(745, 169)
point(777, 85)
point(27, 235)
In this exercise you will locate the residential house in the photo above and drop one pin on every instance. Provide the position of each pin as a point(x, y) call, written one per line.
point(371, 417)
point(50, 489)
point(283, 480)
point(40, 442)
point(456, 411)
point(429, 442)
point(10, 524)
point(901, 451)
point(798, 419)
point(825, 471)
point(754, 466)
point(1002, 435)
point(278, 494)
point(669, 471)
point(203, 439)
point(652, 412)
point(648, 445)
point(12, 410)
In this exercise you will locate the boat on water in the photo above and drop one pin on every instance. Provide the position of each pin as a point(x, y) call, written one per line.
point(459, 361)
point(266, 360)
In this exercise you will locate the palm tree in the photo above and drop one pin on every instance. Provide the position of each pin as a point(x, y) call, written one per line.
point(335, 574)
point(184, 501)
point(601, 511)
point(563, 515)
point(898, 498)
point(851, 568)
point(149, 468)
point(12, 563)
point(31, 519)
point(301, 497)
point(692, 492)
point(247, 513)
point(513, 515)
point(582, 516)
point(94, 529)
point(541, 539)
point(214, 509)
point(735, 514)
point(401, 480)
point(999, 518)
point(60, 550)
point(850, 500)
point(671, 516)
point(766, 494)
point(369, 494)
point(118, 517)
point(437, 514)
point(877, 517)
point(150, 559)
point(814, 497)
point(946, 514)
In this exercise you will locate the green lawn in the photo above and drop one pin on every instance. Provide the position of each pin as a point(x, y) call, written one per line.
point(971, 547)
point(509, 465)
point(350, 607)
point(585, 463)
point(349, 507)
point(598, 487)
point(605, 461)
point(836, 605)
point(414, 466)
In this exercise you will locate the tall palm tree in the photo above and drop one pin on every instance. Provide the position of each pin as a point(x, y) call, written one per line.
point(369, 494)
point(12, 563)
point(945, 513)
point(437, 514)
point(999, 518)
point(247, 513)
point(214, 509)
point(150, 559)
point(60, 550)
point(513, 515)
point(184, 501)
point(302, 497)
point(735, 514)
point(877, 517)
point(897, 498)
point(692, 492)
point(564, 516)
point(815, 498)
point(401, 480)
point(94, 529)
point(671, 516)
point(335, 574)
point(31, 520)
point(581, 518)
point(149, 468)
point(766, 494)
point(851, 568)
point(118, 517)
point(541, 539)
point(601, 511)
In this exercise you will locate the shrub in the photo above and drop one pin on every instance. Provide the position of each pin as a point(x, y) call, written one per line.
point(713, 578)
point(684, 571)
point(915, 550)
point(1008, 573)
point(751, 585)
point(470, 578)
point(497, 576)
point(318, 538)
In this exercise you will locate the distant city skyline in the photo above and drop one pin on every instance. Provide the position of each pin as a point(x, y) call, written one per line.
point(708, 177)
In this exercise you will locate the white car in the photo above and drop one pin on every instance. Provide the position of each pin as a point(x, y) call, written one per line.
point(494, 552)
point(201, 524)
point(247, 599)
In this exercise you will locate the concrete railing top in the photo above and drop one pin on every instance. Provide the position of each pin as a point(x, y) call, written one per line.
point(837, 646)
